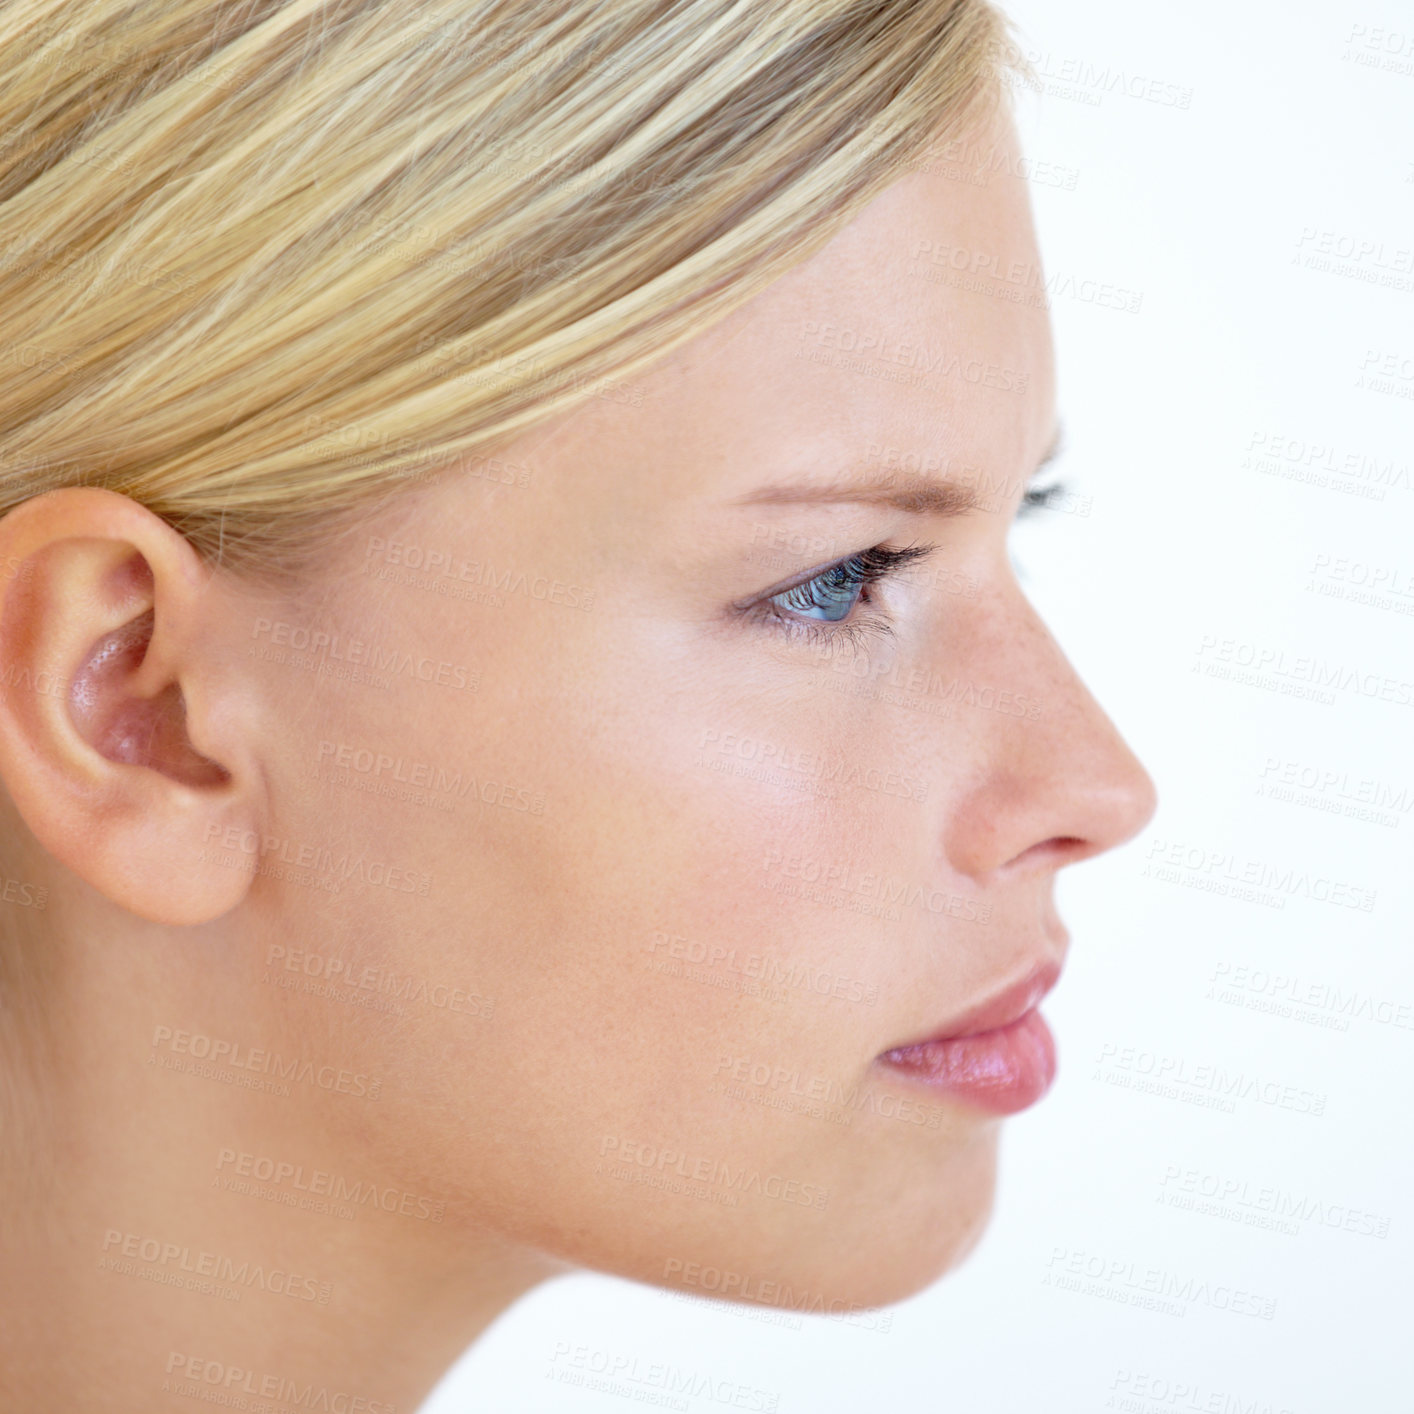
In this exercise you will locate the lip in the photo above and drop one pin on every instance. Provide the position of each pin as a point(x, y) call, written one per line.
point(1002, 1008)
point(999, 1055)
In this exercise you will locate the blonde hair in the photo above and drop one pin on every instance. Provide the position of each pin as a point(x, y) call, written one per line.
point(263, 262)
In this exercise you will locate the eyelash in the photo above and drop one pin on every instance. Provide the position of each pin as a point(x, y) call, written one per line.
point(861, 571)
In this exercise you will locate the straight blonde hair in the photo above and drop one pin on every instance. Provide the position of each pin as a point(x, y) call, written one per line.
point(262, 264)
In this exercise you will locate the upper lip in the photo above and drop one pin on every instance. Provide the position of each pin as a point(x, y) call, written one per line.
point(1001, 1008)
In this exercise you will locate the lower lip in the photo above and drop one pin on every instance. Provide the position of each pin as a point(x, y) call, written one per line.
point(1000, 1071)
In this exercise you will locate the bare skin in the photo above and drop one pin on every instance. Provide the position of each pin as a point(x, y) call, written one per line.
point(488, 1056)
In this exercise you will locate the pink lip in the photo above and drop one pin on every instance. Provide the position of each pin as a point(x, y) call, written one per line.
point(999, 1056)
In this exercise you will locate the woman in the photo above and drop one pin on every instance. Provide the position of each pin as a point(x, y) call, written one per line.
point(523, 749)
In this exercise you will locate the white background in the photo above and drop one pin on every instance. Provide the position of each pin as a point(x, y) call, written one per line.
point(1200, 548)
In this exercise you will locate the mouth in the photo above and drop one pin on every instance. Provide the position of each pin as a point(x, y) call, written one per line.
point(999, 1056)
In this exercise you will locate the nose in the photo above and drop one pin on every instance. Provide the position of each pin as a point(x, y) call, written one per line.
point(1054, 781)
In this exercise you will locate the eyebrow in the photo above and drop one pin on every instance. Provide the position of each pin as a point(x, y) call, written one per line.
point(909, 491)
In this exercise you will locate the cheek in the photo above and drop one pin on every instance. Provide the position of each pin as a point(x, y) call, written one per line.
point(670, 944)
point(642, 943)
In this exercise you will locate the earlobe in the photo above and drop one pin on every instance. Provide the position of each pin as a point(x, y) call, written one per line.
point(99, 637)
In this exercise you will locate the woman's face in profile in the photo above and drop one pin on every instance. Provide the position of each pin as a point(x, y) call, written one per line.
point(700, 798)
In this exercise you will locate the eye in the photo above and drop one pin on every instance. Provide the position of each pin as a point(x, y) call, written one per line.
point(831, 595)
point(1041, 498)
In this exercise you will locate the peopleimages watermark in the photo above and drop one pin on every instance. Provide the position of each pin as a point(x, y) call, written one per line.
point(1090, 1274)
point(1319, 463)
point(35, 356)
point(333, 654)
point(340, 437)
point(1364, 258)
point(1288, 994)
point(874, 353)
point(968, 160)
point(69, 50)
point(231, 846)
point(773, 973)
point(854, 672)
point(1139, 1392)
point(443, 564)
point(335, 974)
point(1207, 1086)
point(1084, 81)
point(1219, 871)
point(640, 1162)
point(172, 1263)
point(1334, 792)
point(1303, 676)
point(1386, 371)
point(780, 1087)
point(843, 886)
point(253, 1067)
point(655, 1383)
point(22, 893)
point(221, 1383)
point(1359, 582)
point(726, 1284)
point(1264, 1205)
point(423, 782)
point(1015, 281)
point(797, 768)
point(1375, 47)
point(280, 1180)
point(91, 269)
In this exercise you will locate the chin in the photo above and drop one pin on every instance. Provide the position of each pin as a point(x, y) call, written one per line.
point(922, 1235)
point(881, 1248)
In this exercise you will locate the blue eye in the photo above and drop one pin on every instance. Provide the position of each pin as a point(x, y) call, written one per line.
point(831, 596)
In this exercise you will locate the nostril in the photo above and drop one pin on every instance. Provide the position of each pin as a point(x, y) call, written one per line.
point(1054, 853)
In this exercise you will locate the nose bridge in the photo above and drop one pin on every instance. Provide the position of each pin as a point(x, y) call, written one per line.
point(1050, 767)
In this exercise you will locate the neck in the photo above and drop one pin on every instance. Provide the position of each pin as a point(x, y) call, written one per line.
point(170, 1233)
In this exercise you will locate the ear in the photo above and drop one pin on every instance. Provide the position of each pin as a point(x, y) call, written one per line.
point(122, 748)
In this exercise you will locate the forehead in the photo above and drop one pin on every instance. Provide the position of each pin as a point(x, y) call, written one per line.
point(916, 339)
